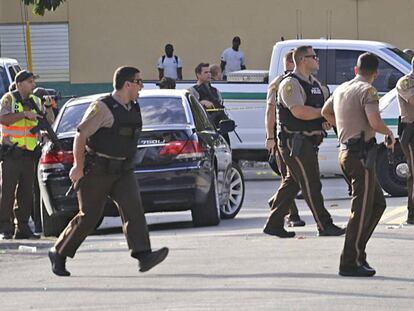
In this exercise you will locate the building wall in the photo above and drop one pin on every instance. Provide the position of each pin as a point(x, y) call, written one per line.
point(105, 34)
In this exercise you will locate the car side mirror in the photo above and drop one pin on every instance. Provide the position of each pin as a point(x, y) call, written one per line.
point(226, 126)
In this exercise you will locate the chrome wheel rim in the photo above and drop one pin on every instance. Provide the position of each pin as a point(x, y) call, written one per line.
point(235, 193)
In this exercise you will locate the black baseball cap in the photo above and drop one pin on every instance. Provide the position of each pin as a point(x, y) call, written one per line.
point(24, 75)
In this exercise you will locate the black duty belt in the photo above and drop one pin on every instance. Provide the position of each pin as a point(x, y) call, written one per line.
point(19, 152)
point(111, 165)
point(315, 140)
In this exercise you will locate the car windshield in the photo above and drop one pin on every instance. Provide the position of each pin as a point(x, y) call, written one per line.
point(154, 111)
point(162, 111)
point(71, 117)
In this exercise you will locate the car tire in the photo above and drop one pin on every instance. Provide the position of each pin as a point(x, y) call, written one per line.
point(391, 176)
point(208, 213)
point(52, 225)
point(236, 195)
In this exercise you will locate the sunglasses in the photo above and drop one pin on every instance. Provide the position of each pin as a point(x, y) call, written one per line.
point(137, 81)
point(312, 56)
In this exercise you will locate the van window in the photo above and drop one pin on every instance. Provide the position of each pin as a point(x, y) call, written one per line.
point(12, 72)
point(321, 74)
point(345, 61)
point(4, 81)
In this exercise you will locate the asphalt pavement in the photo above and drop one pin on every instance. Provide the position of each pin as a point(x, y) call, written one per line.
point(233, 266)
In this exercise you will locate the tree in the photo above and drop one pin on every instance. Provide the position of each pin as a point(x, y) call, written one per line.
point(40, 6)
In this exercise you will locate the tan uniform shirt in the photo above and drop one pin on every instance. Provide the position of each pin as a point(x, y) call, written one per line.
point(405, 90)
point(272, 90)
point(98, 115)
point(292, 94)
point(350, 103)
point(6, 108)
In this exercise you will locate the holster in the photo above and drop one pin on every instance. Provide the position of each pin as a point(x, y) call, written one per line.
point(367, 151)
point(297, 142)
point(407, 133)
point(370, 157)
point(110, 166)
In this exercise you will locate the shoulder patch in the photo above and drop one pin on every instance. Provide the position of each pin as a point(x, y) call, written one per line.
point(372, 91)
point(405, 83)
point(93, 109)
point(288, 88)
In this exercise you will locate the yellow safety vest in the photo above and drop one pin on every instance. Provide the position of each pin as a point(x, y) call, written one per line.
point(19, 131)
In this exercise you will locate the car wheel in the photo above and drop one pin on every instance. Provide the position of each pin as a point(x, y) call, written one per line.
point(392, 176)
point(236, 193)
point(52, 225)
point(208, 213)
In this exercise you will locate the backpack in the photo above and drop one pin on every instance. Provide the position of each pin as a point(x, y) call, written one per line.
point(163, 58)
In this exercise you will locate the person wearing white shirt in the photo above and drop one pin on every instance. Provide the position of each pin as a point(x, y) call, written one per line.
point(232, 59)
point(170, 65)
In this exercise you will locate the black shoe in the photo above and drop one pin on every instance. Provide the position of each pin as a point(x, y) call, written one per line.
point(368, 267)
point(295, 221)
point(299, 196)
point(149, 260)
point(281, 233)
point(6, 235)
point(58, 263)
point(361, 271)
point(332, 230)
point(24, 232)
point(410, 221)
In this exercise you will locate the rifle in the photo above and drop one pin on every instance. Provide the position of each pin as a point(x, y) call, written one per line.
point(43, 124)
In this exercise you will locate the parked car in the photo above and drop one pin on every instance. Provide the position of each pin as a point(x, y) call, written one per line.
point(182, 162)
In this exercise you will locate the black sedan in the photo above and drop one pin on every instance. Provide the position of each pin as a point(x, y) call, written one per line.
point(182, 162)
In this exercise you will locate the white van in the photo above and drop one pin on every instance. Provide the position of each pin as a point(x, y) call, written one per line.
point(8, 69)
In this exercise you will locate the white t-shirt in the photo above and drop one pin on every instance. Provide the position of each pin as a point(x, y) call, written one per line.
point(170, 66)
point(234, 60)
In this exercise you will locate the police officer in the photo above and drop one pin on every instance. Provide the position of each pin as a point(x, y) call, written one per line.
point(209, 96)
point(104, 148)
point(300, 131)
point(354, 108)
point(271, 139)
point(405, 89)
point(18, 115)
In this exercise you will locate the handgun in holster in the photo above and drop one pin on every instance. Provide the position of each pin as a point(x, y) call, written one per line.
point(297, 142)
point(368, 151)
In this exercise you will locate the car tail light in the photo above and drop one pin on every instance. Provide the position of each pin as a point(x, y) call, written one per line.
point(182, 149)
point(56, 157)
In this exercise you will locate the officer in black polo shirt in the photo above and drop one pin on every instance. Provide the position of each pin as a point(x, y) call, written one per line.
point(209, 96)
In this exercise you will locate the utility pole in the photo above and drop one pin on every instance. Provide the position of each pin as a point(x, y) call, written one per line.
point(28, 40)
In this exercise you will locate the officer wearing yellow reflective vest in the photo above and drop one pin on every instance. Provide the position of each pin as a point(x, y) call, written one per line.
point(17, 117)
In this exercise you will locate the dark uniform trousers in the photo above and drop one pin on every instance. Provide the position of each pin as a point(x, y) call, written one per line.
point(95, 187)
point(302, 173)
point(293, 209)
point(408, 150)
point(368, 205)
point(16, 171)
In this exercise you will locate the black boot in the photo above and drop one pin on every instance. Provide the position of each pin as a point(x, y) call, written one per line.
point(295, 221)
point(361, 271)
point(58, 263)
point(23, 231)
point(148, 260)
point(332, 230)
point(280, 232)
